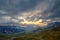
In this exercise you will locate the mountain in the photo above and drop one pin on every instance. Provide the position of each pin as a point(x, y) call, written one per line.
point(10, 29)
point(53, 25)
point(17, 29)
point(56, 26)
point(50, 26)
point(51, 34)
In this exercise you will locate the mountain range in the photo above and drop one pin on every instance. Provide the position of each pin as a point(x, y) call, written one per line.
point(17, 29)
point(49, 27)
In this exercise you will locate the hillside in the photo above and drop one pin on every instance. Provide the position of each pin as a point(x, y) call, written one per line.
point(52, 34)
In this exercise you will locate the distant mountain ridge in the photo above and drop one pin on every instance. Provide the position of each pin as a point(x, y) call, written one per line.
point(10, 29)
point(54, 24)
point(49, 27)
point(17, 29)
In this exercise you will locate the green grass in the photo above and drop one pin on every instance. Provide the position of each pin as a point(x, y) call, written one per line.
point(52, 34)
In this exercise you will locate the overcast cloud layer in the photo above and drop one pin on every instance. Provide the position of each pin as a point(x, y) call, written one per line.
point(48, 10)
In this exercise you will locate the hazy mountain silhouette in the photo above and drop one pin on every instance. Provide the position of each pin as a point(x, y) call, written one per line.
point(10, 29)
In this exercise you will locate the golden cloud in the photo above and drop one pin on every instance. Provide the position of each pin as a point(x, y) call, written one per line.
point(31, 17)
point(36, 23)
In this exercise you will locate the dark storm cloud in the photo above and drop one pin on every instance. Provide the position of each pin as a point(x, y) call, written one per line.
point(54, 9)
point(10, 8)
point(13, 6)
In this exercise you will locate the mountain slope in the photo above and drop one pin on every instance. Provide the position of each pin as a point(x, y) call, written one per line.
point(51, 34)
point(10, 29)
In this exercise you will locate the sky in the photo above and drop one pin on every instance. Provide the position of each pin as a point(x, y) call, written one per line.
point(29, 12)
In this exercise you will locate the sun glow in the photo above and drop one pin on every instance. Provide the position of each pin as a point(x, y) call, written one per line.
point(36, 23)
point(31, 18)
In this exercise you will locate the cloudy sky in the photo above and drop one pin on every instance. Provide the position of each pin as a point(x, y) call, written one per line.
point(29, 12)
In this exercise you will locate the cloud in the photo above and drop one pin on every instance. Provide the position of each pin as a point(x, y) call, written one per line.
point(8, 19)
point(54, 9)
point(3, 12)
point(14, 6)
point(29, 10)
point(15, 20)
point(5, 19)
